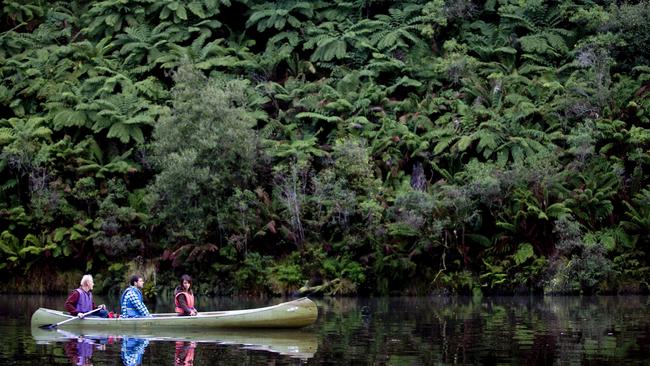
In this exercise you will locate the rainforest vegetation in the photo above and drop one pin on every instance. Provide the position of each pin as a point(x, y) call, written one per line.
point(359, 147)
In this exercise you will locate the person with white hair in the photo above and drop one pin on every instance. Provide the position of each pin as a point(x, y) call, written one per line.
point(81, 302)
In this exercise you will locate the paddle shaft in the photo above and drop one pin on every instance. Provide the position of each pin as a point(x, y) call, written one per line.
point(76, 317)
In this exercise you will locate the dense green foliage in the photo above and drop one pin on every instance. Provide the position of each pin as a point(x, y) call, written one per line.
point(361, 146)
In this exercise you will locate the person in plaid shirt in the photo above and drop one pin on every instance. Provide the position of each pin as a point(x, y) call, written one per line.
point(131, 301)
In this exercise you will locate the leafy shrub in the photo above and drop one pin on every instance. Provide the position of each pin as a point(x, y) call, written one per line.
point(582, 266)
point(252, 274)
point(285, 277)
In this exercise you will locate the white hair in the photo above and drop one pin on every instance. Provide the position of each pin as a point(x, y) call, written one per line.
point(86, 279)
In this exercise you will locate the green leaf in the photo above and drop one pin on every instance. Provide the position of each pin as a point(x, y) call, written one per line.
point(197, 9)
point(31, 250)
point(89, 265)
point(181, 12)
point(507, 226)
point(442, 144)
point(558, 210)
point(112, 20)
point(464, 143)
point(329, 49)
point(6, 249)
point(318, 116)
point(524, 252)
point(59, 234)
point(32, 239)
point(508, 50)
point(75, 235)
point(402, 229)
point(164, 14)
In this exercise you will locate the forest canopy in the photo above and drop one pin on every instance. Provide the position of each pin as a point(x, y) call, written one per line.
point(352, 147)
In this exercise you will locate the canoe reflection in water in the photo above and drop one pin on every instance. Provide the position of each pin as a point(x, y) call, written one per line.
point(133, 350)
point(300, 344)
point(184, 353)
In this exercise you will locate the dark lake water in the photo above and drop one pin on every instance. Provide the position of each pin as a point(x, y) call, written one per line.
point(385, 331)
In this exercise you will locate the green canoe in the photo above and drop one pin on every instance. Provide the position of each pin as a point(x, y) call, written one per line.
point(292, 314)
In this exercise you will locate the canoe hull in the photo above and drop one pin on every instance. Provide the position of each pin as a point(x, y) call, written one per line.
point(292, 314)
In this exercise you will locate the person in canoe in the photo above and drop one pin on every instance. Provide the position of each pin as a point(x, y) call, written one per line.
point(131, 300)
point(184, 298)
point(80, 301)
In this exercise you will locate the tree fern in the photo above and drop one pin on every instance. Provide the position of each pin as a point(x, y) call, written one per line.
point(109, 17)
point(207, 56)
point(21, 11)
point(317, 116)
point(541, 22)
point(278, 15)
point(93, 163)
point(331, 40)
point(488, 41)
point(397, 29)
point(25, 144)
point(638, 213)
point(594, 191)
point(142, 45)
point(124, 115)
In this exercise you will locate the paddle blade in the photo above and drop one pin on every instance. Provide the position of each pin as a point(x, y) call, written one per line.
point(47, 326)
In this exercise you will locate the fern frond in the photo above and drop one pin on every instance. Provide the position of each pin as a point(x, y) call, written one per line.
point(318, 116)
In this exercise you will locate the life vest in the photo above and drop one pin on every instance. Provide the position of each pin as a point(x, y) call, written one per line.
point(127, 310)
point(85, 302)
point(189, 298)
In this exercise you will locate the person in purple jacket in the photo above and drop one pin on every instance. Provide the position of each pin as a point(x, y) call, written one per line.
point(81, 302)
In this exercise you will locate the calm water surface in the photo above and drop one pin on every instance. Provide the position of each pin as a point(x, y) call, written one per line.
point(387, 331)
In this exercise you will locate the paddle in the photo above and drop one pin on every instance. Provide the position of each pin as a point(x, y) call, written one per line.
point(52, 326)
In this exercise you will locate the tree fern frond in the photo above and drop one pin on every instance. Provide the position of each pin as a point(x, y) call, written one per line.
point(318, 116)
point(523, 21)
point(329, 48)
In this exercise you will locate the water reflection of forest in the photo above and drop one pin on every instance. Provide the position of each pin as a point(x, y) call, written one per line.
point(490, 330)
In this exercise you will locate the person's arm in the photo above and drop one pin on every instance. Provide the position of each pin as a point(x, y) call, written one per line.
point(71, 303)
point(182, 301)
point(142, 309)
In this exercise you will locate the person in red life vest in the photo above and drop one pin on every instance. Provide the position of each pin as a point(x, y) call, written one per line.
point(81, 302)
point(184, 298)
